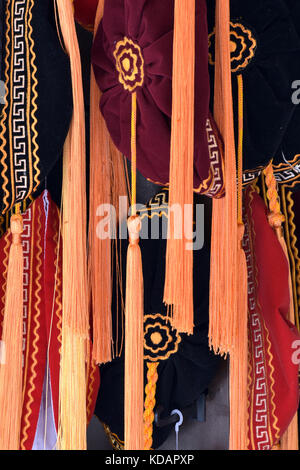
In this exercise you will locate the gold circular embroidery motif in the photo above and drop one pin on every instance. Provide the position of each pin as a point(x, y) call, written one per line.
point(129, 64)
point(242, 47)
point(160, 339)
point(156, 338)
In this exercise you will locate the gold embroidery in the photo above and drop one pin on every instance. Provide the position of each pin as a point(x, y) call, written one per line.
point(272, 380)
point(156, 326)
point(33, 102)
point(242, 44)
point(251, 345)
point(115, 441)
point(5, 267)
point(4, 112)
point(28, 100)
point(21, 92)
point(268, 357)
point(36, 336)
point(129, 64)
point(291, 241)
point(288, 173)
point(58, 289)
point(90, 386)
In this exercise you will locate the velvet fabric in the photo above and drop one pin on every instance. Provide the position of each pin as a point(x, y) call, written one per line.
point(286, 162)
point(37, 109)
point(149, 24)
point(85, 12)
point(272, 66)
point(186, 365)
point(273, 340)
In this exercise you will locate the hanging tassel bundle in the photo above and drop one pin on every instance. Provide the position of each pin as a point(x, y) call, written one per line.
point(99, 249)
point(276, 219)
point(224, 246)
point(11, 393)
point(72, 399)
point(134, 317)
point(178, 291)
point(239, 350)
point(228, 278)
point(134, 341)
point(107, 184)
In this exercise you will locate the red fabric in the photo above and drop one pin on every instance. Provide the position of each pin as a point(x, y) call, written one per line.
point(85, 12)
point(42, 252)
point(34, 314)
point(150, 25)
point(273, 375)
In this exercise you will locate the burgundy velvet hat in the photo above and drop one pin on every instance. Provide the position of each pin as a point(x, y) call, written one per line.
point(133, 51)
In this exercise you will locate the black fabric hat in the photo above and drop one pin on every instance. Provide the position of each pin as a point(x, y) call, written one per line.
point(37, 107)
point(186, 366)
point(265, 48)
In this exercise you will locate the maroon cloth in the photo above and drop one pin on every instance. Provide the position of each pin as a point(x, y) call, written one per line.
point(85, 12)
point(273, 389)
point(150, 25)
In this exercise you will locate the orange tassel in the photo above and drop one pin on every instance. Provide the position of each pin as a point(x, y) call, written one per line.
point(239, 354)
point(290, 440)
point(99, 250)
point(239, 360)
point(224, 245)
point(107, 183)
point(11, 395)
point(134, 316)
point(134, 342)
point(276, 218)
point(178, 291)
point(72, 399)
point(228, 280)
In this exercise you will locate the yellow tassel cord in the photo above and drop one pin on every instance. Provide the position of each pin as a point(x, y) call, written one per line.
point(276, 219)
point(228, 279)
point(72, 393)
point(11, 396)
point(178, 291)
point(134, 317)
point(239, 353)
point(150, 392)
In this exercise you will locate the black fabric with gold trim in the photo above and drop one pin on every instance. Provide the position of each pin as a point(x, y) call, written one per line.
point(186, 366)
point(37, 107)
point(265, 48)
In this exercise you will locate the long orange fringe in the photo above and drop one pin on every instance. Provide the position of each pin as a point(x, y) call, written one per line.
point(72, 399)
point(134, 342)
point(134, 316)
point(99, 250)
point(239, 352)
point(107, 183)
point(178, 291)
point(11, 396)
point(223, 278)
point(228, 279)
